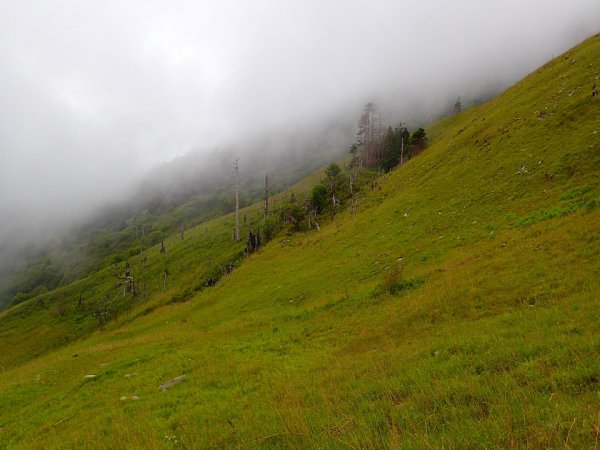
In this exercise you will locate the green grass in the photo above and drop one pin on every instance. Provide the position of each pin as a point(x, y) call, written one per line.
point(487, 338)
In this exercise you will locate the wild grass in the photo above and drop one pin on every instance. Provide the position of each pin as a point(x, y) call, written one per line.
point(487, 337)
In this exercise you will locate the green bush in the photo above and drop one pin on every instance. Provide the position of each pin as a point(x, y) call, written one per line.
point(318, 198)
point(297, 215)
point(20, 298)
point(394, 283)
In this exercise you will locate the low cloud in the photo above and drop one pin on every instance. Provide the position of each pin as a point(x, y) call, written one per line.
point(94, 94)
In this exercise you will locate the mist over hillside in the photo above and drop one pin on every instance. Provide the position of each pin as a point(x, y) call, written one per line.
point(179, 193)
point(93, 96)
point(97, 99)
point(437, 289)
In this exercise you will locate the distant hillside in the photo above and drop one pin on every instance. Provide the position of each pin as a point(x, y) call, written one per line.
point(182, 193)
point(451, 303)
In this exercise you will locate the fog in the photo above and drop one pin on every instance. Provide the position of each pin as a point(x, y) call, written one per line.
point(93, 95)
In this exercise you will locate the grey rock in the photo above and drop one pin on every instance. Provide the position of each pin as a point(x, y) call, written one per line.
point(169, 384)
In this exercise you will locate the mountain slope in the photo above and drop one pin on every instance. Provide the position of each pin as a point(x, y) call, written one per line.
point(489, 338)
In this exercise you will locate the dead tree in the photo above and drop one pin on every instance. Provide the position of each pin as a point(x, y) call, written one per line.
point(457, 106)
point(402, 150)
point(266, 197)
point(163, 250)
point(127, 280)
point(142, 241)
point(253, 243)
point(237, 201)
point(370, 136)
point(102, 311)
point(354, 204)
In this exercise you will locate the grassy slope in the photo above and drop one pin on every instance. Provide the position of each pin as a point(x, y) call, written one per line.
point(496, 346)
point(59, 319)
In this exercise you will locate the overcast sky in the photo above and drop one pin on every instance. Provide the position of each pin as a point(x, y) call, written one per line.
point(93, 93)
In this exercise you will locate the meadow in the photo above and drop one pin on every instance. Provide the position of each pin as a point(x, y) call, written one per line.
point(456, 308)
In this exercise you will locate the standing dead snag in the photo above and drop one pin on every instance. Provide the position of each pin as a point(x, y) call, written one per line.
point(458, 106)
point(127, 279)
point(402, 150)
point(253, 243)
point(102, 312)
point(266, 198)
point(332, 171)
point(163, 250)
point(237, 200)
point(370, 136)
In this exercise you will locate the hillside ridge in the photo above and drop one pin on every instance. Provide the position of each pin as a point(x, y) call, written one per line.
point(456, 307)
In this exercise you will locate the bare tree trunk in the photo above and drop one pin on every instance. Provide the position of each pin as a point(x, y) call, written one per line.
point(237, 201)
point(351, 180)
point(402, 150)
point(266, 195)
point(142, 242)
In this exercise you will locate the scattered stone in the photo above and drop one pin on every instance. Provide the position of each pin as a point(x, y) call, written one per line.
point(129, 375)
point(169, 384)
point(123, 398)
point(90, 377)
point(134, 397)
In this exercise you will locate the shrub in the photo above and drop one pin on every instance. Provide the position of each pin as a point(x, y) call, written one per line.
point(270, 227)
point(297, 216)
point(318, 198)
point(391, 279)
point(20, 298)
point(394, 283)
